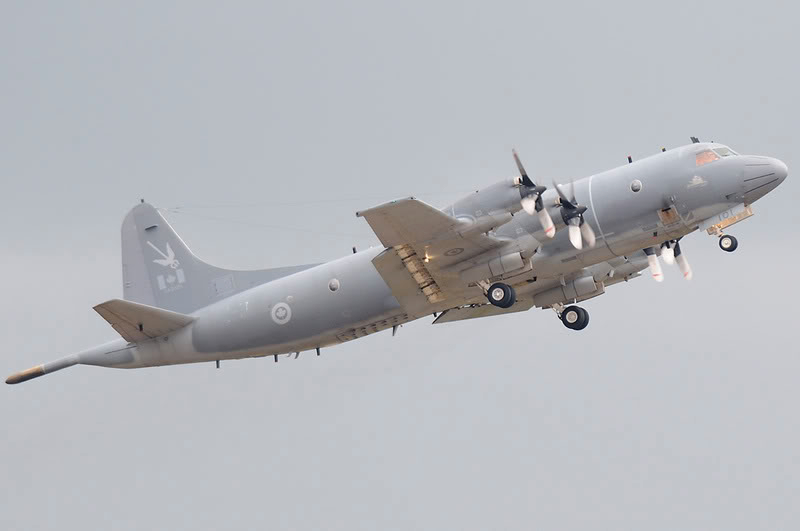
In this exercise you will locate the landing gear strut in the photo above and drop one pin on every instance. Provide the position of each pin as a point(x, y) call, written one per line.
point(575, 317)
point(728, 243)
point(501, 295)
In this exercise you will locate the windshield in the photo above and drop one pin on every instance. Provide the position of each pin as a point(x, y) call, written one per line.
point(704, 157)
point(725, 151)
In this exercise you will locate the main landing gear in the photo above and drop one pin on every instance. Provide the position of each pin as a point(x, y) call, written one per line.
point(501, 295)
point(728, 243)
point(574, 317)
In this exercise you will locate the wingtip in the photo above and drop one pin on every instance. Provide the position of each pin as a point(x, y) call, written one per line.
point(24, 376)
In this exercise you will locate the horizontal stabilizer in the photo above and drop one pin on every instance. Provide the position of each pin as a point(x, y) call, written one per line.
point(139, 322)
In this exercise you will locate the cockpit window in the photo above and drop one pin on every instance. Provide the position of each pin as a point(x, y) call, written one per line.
point(725, 152)
point(704, 157)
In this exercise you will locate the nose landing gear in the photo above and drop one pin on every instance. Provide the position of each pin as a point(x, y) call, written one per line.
point(728, 243)
point(574, 317)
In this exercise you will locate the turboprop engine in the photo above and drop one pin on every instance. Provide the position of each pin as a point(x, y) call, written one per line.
point(501, 197)
point(494, 205)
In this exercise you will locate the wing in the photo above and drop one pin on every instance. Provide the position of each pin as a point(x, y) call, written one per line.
point(481, 310)
point(426, 251)
point(576, 287)
point(585, 283)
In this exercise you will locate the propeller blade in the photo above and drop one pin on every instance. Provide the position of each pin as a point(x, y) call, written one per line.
point(529, 204)
point(565, 201)
point(547, 223)
point(588, 234)
point(668, 253)
point(683, 264)
point(655, 267)
point(575, 234)
point(522, 173)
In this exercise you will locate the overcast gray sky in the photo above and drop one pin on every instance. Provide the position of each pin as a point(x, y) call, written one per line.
point(270, 125)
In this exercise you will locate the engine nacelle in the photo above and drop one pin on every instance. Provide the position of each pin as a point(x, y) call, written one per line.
point(469, 226)
point(501, 197)
point(498, 266)
point(579, 289)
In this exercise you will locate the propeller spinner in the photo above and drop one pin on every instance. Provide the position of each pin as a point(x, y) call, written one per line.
point(532, 199)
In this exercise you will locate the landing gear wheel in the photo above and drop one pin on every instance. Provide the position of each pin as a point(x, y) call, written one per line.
point(728, 243)
point(575, 317)
point(501, 295)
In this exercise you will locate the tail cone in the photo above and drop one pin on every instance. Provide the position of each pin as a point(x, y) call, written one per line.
point(24, 376)
point(41, 370)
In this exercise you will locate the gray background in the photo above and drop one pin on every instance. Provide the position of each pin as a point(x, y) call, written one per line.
point(270, 125)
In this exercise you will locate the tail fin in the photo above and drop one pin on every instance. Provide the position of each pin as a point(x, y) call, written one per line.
point(158, 269)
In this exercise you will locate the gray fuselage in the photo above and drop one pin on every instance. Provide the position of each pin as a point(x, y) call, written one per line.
point(178, 309)
point(310, 314)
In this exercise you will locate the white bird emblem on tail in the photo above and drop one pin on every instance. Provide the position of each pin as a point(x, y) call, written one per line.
point(169, 257)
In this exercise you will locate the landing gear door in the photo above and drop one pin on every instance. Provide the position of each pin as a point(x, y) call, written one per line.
point(673, 218)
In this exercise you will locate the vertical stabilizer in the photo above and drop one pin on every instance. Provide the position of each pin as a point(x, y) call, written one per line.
point(158, 269)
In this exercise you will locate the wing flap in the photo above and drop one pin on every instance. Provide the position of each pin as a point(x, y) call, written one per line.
point(484, 310)
point(140, 322)
point(404, 288)
point(430, 245)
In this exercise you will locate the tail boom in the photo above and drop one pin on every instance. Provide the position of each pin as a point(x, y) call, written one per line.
point(41, 370)
point(116, 353)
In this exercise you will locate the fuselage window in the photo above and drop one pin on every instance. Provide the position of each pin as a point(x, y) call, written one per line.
point(704, 157)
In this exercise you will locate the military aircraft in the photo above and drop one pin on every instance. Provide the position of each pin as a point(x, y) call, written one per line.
point(514, 245)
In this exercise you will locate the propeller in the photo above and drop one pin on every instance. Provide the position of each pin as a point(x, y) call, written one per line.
point(683, 264)
point(572, 213)
point(668, 252)
point(671, 253)
point(532, 198)
point(653, 264)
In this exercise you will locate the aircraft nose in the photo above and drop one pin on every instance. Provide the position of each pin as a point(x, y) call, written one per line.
point(780, 169)
point(761, 176)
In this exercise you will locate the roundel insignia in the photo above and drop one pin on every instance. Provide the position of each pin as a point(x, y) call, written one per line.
point(454, 251)
point(281, 313)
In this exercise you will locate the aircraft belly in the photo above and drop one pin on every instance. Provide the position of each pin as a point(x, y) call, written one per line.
point(316, 303)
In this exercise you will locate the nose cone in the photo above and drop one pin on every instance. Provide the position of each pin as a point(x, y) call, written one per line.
point(761, 176)
point(780, 169)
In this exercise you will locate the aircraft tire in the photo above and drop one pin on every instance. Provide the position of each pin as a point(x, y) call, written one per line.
point(501, 295)
point(728, 243)
point(575, 317)
point(583, 322)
